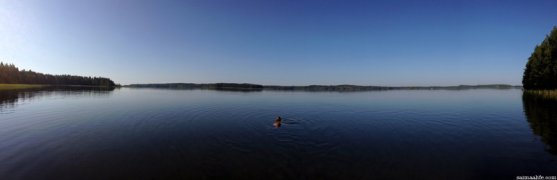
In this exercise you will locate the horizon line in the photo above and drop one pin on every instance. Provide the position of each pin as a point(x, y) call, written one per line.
point(491, 84)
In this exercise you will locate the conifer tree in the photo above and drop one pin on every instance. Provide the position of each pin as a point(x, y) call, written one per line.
point(541, 69)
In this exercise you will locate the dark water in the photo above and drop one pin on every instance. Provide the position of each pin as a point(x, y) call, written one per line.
point(196, 134)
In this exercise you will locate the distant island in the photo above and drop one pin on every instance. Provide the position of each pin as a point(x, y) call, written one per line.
point(258, 87)
point(12, 77)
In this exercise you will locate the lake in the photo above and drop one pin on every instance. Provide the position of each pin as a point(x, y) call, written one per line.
point(129, 133)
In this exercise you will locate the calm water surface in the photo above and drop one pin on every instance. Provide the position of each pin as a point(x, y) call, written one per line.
point(200, 134)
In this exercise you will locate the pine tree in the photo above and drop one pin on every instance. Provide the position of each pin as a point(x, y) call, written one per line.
point(541, 69)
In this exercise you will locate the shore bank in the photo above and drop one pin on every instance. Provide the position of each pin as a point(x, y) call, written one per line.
point(20, 86)
point(548, 94)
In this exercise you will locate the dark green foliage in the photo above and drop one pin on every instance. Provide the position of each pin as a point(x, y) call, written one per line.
point(541, 69)
point(9, 74)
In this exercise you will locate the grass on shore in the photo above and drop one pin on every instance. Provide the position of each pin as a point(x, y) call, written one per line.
point(19, 86)
point(548, 94)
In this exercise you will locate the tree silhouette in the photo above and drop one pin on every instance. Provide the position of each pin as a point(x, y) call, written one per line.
point(10, 74)
point(541, 69)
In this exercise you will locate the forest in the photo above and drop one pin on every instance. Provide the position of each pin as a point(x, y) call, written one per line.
point(541, 69)
point(10, 74)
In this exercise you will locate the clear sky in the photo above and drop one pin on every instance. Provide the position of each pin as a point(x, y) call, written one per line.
point(390, 42)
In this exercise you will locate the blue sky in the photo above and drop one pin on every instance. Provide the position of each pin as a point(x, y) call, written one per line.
point(391, 43)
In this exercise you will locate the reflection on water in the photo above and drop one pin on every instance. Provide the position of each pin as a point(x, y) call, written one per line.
point(541, 113)
point(10, 98)
point(200, 134)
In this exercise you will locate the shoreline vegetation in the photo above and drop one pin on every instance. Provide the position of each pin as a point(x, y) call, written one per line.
point(12, 77)
point(541, 69)
point(43, 86)
point(540, 74)
point(546, 94)
point(258, 87)
point(19, 86)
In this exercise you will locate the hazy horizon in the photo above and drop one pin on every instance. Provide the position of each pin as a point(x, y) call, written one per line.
point(379, 43)
point(310, 84)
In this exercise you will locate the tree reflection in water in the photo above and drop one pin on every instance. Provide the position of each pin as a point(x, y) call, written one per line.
point(10, 98)
point(541, 114)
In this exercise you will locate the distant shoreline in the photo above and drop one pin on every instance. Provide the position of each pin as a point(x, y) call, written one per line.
point(258, 87)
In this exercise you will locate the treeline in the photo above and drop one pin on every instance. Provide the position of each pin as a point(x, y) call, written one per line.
point(376, 88)
point(257, 87)
point(215, 86)
point(10, 74)
point(541, 69)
